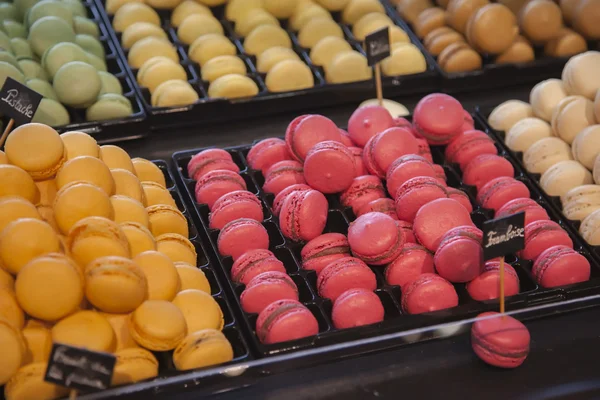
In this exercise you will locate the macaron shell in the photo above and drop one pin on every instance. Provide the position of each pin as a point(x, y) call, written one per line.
point(329, 167)
point(459, 257)
point(202, 349)
point(306, 131)
point(541, 235)
point(497, 192)
point(283, 174)
point(192, 278)
point(265, 289)
point(385, 147)
point(167, 219)
point(86, 329)
point(366, 122)
point(134, 365)
point(215, 184)
point(487, 285)
point(235, 205)
point(485, 167)
point(438, 118)
point(428, 293)
point(560, 266)
point(242, 235)
point(343, 274)
point(405, 168)
point(303, 215)
point(200, 310)
point(357, 307)
point(157, 325)
point(375, 238)
point(415, 193)
point(285, 320)
point(161, 276)
point(28, 383)
point(148, 171)
point(413, 261)
point(324, 249)
point(178, 248)
point(266, 153)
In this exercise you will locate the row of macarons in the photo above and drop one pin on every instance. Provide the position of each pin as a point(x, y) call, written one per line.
point(558, 134)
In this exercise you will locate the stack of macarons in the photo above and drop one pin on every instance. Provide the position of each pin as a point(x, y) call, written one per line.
point(558, 134)
point(95, 253)
point(53, 48)
point(460, 32)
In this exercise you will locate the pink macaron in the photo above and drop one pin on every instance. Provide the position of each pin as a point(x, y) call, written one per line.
point(487, 285)
point(215, 184)
point(468, 123)
point(468, 145)
point(366, 122)
point(345, 138)
point(459, 257)
point(428, 293)
point(235, 205)
point(278, 201)
point(440, 174)
point(436, 218)
point(266, 153)
point(438, 118)
point(363, 190)
point(240, 236)
point(541, 235)
point(533, 211)
point(413, 261)
point(356, 307)
point(307, 130)
point(405, 168)
point(500, 340)
point(415, 193)
point(407, 228)
point(424, 150)
point(385, 147)
point(485, 167)
point(323, 250)
point(285, 320)
point(266, 288)
point(402, 122)
point(497, 192)
point(283, 174)
point(210, 160)
point(344, 274)
point(329, 167)
point(303, 215)
point(386, 206)
point(255, 262)
point(359, 164)
point(560, 266)
point(461, 197)
point(375, 238)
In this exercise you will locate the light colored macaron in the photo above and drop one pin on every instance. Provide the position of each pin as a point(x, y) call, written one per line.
point(21, 48)
point(192, 277)
point(127, 184)
point(405, 60)
point(264, 37)
point(42, 87)
point(209, 46)
point(50, 112)
point(186, 8)
point(9, 70)
point(580, 75)
point(140, 30)
point(167, 219)
point(94, 47)
point(586, 146)
point(48, 31)
point(394, 108)
point(148, 171)
point(597, 106)
point(85, 26)
point(201, 311)
point(195, 25)
point(109, 106)
point(358, 8)
point(581, 201)
point(596, 170)
point(289, 75)
point(87, 329)
point(112, 6)
point(202, 348)
point(222, 65)
point(160, 272)
point(174, 93)
point(158, 70)
point(134, 365)
point(348, 66)
point(272, 56)
point(316, 29)
point(14, 29)
point(545, 96)
point(128, 209)
point(28, 383)
point(564, 176)
point(253, 18)
point(148, 47)
point(178, 248)
point(526, 132)
point(323, 52)
point(139, 237)
point(130, 13)
point(590, 228)
point(235, 9)
point(571, 116)
point(233, 86)
point(32, 69)
point(157, 325)
point(305, 12)
point(110, 83)
point(49, 7)
point(86, 169)
point(77, 84)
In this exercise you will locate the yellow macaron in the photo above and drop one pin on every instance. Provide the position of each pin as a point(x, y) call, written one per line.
point(47, 214)
point(200, 310)
point(232, 86)
point(253, 18)
point(49, 302)
point(115, 157)
point(174, 93)
point(271, 57)
point(80, 144)
point(115, 284)
point(222, 65)
point(95, 237)
point(156, 194)
point(306, 13)
point(327, 48)
point(7, 281)
point(148, 171)
point(17, 182)
point(264, 37)
point(3, 158)
point(318, 28)
point(113, 5)
point(289, 75)
point(195, 25)
point(38, 339)
point(192, 277)
point(157, 325)
point(25, 239)
point(13, 208)
point(178, 248)
point(127, 184)
point(129, 210)
point(209, 46)
point(236, 9)
point(167, 219)
point(10, 309)
point(86, 169)
point(79, 200)
point(356, 9)
point(148, 47)
point(202, 349)
point(130, 13)
point(29, 383)
point(348, 66)
point(134, 365)
point(122, 335)
point(37, 149)
point(160, 272)
point(86, 329)
point(139, 237)
point(47, 190)
point(14, 350)
point(141, 30)
point(185, 8)
point(159, 71)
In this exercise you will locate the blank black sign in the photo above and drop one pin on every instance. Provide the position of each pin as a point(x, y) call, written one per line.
point(80, 369)
point(377, 46)
point(503, 236)
point(18, 101)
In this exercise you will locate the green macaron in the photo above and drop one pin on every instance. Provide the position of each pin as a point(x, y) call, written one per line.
point(97, 62)
point(7, 69)
point(5, 42)
point(42, 87)
point(110, 83)
point(51, 112)
point(9, 58)
point(77, 84)
point(32, 69)
point(109, 106)
point(76, 7)
point(22, 7)
point(48, 31)
point(14, 29)
point(21, 48)
point(86, 26)
point(90, 44)
point(47, 8)
point(60, 54)
point(8, 12)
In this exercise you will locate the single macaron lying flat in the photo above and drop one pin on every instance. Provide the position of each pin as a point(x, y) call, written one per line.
point(497, 192)
point(283, 174)
point(405, 168)
point(281, 196)
point(329, 167)
point(266, 153)
point(362, 191)
point(533, 211)
point(436, 218)
point(438, 118)
point(366, 122)
point(375, 238)
point(285, 320)
point(385, 147)
point(415, 193)
point(210, 160)
point(469, 145)
point(357, 307)
point(306, 131)
point(485, 167)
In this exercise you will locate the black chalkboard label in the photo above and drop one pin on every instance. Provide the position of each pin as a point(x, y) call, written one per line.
point(18, 102)
point(377, 45)
point(79, 368)
point(503, 236)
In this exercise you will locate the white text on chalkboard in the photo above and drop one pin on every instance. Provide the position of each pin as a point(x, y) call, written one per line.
point(511, 233)
point(13, 99)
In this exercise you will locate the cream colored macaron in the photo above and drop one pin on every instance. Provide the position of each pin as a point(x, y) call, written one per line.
point(590, 228)
point(130, 13)
point(222, 65)
point(348, 66)
point(209, 46)
point(545, 96)
point(580, 75)
point(316, 29)
point(264, 37)
point(586, 146)
point(271, 57)
point(545, 153)
point(112, 6)
point(505, 115)
point(174, 93)
point(280, 8)
point(187, 8)
point(526, 132)
point(145, 49)
point(571, 116)
point(195, 25)
point(289, 75)
point(405, 60)
point(394, 108)
point(564, 176)
point(369, 23)
point(327, 48)
point(233, 86)
point(334, 5)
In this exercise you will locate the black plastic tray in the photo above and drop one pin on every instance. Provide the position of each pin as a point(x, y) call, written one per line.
point(134, 126)
point(492, 75)
point(554, 201)
point(338, 220)
point(323, 94)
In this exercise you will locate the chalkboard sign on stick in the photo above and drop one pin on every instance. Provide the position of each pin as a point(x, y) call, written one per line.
point(18, 102)
point(79, 368)
point(377, 47)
